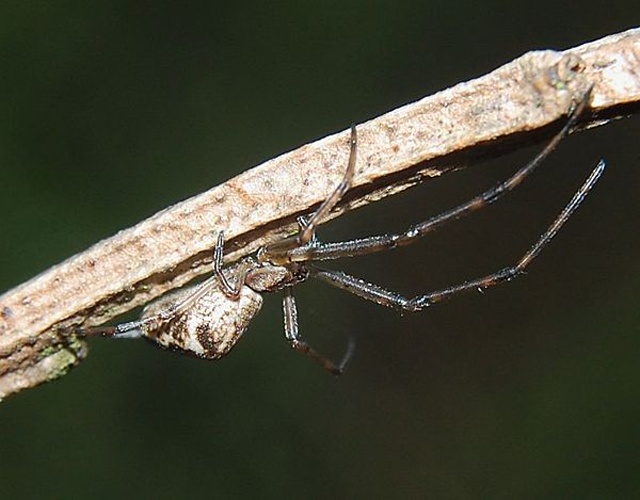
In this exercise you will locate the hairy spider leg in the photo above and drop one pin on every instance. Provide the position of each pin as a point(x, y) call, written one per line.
point(372, 244)
point(296, 341)
point(133, 329)
point(388, 298)
point(231, 291)
point(305, 249)
point(277, 252)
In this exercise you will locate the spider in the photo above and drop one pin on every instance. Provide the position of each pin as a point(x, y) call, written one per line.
point(207, 320)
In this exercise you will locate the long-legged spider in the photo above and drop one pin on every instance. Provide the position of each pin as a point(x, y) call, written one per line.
point(208, 319)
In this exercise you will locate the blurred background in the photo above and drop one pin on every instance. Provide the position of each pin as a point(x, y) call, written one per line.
point(114, 110)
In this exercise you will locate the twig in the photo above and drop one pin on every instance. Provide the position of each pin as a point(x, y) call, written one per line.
point(514, 105)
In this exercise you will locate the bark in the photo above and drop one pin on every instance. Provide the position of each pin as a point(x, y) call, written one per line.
point(521, 102)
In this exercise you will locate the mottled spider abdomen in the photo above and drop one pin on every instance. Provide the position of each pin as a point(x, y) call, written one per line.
point(209, 328)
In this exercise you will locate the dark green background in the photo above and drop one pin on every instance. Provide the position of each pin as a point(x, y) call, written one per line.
point(111, 111)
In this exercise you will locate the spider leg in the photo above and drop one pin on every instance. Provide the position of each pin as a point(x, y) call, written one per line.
point(307, 233)
point(218, 253)
point(361, 288)
point(134, 329)
point(292, 334)
point(372, 244)
point(277, 252)
point(131, 330)
point(231, 291)
point(388, 298)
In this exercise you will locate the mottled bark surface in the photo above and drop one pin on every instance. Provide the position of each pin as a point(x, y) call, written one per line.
point(518, 103)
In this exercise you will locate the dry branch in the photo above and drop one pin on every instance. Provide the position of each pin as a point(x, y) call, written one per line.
point(508, 108)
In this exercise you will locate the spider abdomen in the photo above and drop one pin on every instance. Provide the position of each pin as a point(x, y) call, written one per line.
point(209, 328)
